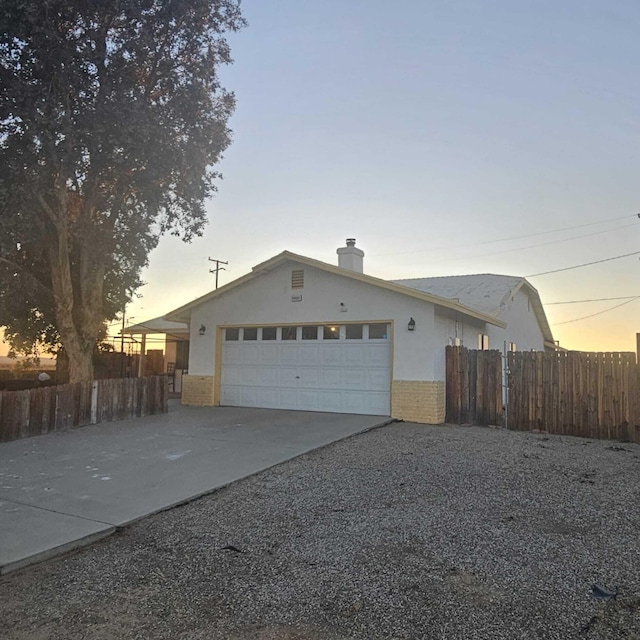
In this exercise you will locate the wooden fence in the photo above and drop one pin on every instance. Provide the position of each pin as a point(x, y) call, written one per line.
point(593, 395)
point(474, 386)
point(34, 412)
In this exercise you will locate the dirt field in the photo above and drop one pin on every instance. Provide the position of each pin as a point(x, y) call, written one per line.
point(407, 531)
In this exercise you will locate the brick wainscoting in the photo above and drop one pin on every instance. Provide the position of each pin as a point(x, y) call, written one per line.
point(418, 401)
point(198, 391)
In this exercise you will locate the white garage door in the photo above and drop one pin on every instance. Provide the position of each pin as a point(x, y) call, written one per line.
point(341, 369)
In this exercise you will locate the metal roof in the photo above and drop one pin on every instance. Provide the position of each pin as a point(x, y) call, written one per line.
point(484, 292)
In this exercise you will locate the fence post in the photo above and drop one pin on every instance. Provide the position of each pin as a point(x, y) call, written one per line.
point(505, 385)
point(94, 402)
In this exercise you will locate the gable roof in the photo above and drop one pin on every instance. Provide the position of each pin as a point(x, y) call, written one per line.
point(182, 314)
point(486, 292)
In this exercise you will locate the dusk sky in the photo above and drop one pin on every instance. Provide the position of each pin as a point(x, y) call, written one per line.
point(447, 137)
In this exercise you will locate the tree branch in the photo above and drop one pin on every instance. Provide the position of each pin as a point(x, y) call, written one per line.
point(26, 272)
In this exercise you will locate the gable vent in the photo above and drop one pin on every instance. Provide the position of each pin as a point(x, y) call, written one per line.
point(297, 279)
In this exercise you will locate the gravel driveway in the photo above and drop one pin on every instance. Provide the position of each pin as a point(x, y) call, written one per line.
point(406, 531)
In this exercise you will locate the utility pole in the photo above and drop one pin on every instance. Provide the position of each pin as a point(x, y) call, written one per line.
point(217, 269)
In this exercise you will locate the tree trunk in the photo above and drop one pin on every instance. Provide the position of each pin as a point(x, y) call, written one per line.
point(80, 364)
point(78, 308)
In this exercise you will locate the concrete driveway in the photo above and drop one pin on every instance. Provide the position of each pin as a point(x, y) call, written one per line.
point(64, 490)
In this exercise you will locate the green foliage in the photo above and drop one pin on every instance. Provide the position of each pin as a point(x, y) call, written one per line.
point(112, 119)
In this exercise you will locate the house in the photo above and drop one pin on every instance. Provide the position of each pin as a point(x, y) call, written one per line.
point(297, 333)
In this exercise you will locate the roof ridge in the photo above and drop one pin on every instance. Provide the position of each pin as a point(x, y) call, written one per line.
point(465, 275)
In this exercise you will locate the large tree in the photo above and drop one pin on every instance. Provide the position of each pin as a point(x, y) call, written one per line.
point(112, 119)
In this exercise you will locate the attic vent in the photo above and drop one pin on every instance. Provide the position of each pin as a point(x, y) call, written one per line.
point(297, 279)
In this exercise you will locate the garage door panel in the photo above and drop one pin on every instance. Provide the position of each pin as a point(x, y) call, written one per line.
point(231, 396)
point(288, 399)
point(331, 378)
point(269, 355)
point(309, 355)
point(355, 378)
point(377, 355)
point(230, 353)
point(309, 377)
point(309, 400)
point(331, 401)
point(355, 355)
point(288, 354)
point(379, 379)
point(285, 376)
point(331, 354)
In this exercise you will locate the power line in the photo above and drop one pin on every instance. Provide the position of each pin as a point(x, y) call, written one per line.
point(520, 237)
point(532, 246)
point(546, 304)
point(593, 315)
point(584, 264)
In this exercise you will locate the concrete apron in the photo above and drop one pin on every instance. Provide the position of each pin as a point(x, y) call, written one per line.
point(65, 490)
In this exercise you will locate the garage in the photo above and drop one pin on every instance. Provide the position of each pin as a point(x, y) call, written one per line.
point(313, 367)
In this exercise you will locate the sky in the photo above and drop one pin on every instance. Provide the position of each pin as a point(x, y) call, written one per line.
point(447, 137)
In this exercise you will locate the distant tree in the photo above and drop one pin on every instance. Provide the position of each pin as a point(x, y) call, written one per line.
point(112, 118)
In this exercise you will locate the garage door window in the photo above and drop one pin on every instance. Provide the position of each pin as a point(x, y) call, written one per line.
point(309, 333)
point(289, 333)
point(378, 331)
point(331, 332)
point(354, 332)
point(269, 333)
point(250, 333)
point(233, 333)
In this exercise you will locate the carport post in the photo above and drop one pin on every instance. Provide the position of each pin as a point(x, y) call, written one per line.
point(143, 351)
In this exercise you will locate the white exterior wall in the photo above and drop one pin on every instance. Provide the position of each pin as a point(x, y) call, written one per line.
point(268, 300)
point(522, 325)
point(522, 328)
point(449, 325)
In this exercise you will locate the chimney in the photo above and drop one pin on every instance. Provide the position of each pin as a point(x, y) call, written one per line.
point(350, 257)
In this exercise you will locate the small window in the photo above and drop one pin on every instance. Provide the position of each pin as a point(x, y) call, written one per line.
point(483, 341)
point(269, 333)
point(331, 332)
point(378, 331)
point(309, 333)
point(297, 279)
point(289, 333)
point(354, 332)
point(233, 333)
point(250, 333)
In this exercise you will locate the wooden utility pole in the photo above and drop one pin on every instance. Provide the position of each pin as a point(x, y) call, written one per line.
point(217, 269)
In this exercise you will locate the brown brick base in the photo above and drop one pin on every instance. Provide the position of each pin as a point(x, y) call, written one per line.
point(198, 391)
point(418, 401)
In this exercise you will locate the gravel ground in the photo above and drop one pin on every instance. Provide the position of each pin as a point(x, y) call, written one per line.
point(406, 531)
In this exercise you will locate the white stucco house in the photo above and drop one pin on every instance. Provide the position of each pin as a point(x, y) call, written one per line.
point(297, 333)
